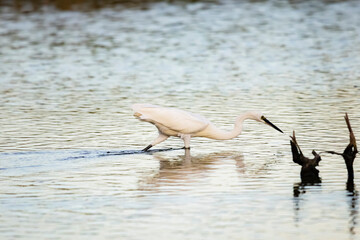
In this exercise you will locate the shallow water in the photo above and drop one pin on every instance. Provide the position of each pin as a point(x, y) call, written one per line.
point(70, 164)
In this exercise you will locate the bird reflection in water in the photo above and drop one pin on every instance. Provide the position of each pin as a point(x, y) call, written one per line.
point(187, 169)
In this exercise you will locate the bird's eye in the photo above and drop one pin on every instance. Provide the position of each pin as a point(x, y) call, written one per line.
point(263, 118)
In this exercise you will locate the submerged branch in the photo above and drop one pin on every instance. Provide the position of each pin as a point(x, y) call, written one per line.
point(349, 154)
point(309, 173)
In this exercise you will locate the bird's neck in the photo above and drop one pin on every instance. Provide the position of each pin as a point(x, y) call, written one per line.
point(216, 133)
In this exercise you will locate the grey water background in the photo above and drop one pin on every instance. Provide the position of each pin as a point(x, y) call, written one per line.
point(69, 162)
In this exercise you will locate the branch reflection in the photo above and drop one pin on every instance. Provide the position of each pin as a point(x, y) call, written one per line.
point(353, 198)
point(301, 188)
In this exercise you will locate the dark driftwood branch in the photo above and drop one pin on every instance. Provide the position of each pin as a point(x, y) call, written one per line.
point(349, 154)
point(351, 133)
point(309, 173)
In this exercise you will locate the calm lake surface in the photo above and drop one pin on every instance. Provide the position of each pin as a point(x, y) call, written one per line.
point(69, 163)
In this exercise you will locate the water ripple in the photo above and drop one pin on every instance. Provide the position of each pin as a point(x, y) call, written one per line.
point(68, 138)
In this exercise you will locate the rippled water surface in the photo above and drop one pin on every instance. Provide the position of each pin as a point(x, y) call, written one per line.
point(70, 165)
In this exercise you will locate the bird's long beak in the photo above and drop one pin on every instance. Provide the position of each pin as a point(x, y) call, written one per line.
point(271, 124)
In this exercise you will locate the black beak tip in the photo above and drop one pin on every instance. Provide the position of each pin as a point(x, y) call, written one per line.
point(278, 129)
point(272, 125)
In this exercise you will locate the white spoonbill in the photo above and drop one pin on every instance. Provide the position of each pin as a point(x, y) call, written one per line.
point(183, 124)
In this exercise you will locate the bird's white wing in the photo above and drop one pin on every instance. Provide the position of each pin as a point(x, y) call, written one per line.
point(172, 118)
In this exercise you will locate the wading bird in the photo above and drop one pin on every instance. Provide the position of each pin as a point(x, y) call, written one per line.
point(183, 124)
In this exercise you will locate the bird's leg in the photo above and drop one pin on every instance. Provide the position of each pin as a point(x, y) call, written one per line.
point(147, 148)
point(186, 139)
point(158, 140)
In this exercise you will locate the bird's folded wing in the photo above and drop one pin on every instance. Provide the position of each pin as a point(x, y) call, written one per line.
point(172, 118)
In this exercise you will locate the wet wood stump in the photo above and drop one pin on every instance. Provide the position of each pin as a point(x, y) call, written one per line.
point(309, 173)
point(349, 155)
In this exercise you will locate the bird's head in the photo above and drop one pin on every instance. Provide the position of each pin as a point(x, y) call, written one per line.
point(258, 116)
